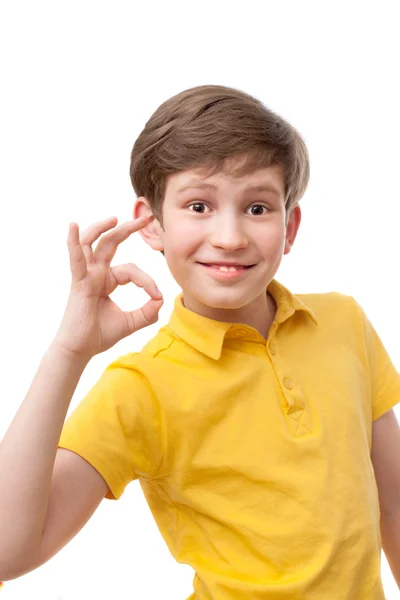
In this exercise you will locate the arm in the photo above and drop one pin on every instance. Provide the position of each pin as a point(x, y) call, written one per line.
point(92, 323)
point(27, 457)
point(385, 455)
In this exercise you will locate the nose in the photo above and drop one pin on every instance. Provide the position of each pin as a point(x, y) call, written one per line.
point(228, 234)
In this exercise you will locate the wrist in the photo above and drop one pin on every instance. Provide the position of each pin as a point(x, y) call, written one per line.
point(63, 353)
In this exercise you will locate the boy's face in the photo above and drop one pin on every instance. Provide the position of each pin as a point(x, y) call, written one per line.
point(224, 224)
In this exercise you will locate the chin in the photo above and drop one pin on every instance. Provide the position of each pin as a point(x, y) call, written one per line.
point(224, 302)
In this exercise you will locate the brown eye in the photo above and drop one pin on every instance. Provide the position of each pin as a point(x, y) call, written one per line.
point(196, 204)
point(260, 206)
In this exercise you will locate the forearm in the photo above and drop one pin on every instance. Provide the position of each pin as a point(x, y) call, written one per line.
point(390, 533)
point(28, 452)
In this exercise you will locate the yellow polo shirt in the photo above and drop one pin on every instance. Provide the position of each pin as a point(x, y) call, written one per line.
point(253, 454)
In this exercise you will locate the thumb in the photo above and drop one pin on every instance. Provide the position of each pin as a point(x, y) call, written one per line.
point(144, 316)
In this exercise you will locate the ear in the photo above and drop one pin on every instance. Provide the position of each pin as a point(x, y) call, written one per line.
point(292, 227)
point(153, 232)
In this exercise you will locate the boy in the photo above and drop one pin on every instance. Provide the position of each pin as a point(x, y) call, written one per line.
point(259, 423)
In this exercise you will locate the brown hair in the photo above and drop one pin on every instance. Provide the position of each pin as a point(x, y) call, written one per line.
point(202, 127)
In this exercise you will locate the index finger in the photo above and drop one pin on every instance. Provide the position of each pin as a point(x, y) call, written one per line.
point(109, 243)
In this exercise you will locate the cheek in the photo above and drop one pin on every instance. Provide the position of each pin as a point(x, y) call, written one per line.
point(178, 223)
point(181, 242)
point(183, 232)
point(273, 240)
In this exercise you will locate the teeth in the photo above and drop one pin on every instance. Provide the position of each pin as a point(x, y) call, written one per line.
point(223, 268)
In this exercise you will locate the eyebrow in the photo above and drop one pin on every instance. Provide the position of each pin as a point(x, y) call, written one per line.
point(266, 187)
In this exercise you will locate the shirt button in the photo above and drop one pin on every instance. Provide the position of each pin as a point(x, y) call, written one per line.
point(272, 348)
point(288, 383)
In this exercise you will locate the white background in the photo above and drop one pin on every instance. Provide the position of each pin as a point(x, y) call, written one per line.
point(78, 82)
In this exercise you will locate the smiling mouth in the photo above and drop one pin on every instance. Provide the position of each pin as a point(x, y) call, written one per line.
point(228, 266)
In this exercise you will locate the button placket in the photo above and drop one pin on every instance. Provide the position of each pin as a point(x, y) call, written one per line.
point(295, 407)
point(271, 339)
point(288, 383)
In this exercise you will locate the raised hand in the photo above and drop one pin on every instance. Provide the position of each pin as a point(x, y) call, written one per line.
point(92, 322)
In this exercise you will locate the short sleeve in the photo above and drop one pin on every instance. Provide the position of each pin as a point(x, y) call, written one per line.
point(118, 428)
point(384, 377)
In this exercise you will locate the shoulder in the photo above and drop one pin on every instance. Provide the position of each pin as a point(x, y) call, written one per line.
point(326, 298)
point(152, 349)
point(333, 307)
point(139, 367)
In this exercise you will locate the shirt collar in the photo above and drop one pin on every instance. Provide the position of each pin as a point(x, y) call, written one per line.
point(207, 335)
